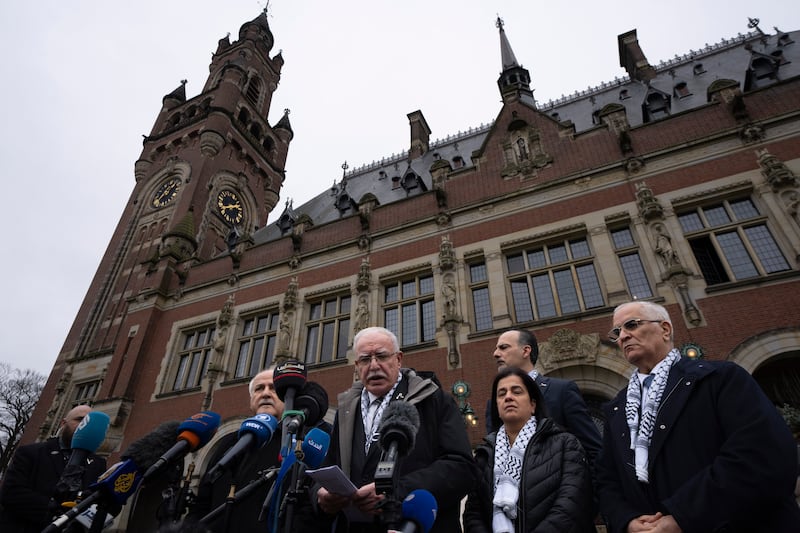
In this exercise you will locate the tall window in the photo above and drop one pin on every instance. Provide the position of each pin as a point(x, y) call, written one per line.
point(86, 392)
point(327, 329)
point(479, 286)
point(631, 263)
point(253, 90)
point(553, 280)
point(193, 358)
point(731, 241)
point(409, 309)
point(256, 344)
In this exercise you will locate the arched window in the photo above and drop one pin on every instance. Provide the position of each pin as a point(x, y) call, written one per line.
point(244, 115)
point(253, 90)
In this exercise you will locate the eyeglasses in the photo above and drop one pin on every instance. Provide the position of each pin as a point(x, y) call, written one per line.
point(365, 359)
point(629, 325)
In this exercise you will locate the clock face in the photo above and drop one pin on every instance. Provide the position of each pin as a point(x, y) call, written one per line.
point(229, 206)
point(167, 192)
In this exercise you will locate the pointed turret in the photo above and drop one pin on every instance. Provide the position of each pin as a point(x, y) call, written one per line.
point(176, 97)
point(514, 81)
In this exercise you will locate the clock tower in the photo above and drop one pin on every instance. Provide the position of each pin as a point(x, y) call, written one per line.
point(210, 172)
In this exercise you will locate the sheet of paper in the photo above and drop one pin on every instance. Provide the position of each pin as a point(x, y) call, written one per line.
point(333, 479)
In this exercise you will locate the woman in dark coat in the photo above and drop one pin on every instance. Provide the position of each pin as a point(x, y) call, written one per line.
point(534, 475)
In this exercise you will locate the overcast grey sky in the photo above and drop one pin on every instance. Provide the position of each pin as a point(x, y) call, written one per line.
point(83, 81)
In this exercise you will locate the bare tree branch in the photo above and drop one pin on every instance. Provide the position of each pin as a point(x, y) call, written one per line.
point(19, 392)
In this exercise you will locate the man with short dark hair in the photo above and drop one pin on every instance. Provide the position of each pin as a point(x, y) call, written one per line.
point(518, 347)
point(30, 481)
point(691, 445)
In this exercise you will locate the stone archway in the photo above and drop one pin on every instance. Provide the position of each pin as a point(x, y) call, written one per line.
point(773, 358)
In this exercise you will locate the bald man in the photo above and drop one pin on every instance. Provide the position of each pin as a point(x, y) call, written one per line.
point(31, 478)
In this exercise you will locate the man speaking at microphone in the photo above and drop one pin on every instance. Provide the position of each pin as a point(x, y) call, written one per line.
point(30, 481)
point(440, 460)
point(211, 494)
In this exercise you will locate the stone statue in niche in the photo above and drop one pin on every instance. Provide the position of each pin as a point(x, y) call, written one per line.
point(362, 314)
point(664, 247)
point(449, 295)
point(447, 257)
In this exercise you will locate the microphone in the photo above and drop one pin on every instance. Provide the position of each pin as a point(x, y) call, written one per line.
point(288, 378)
point(312, 403)
point(120, 481)
point(314, 448)
point(419, 512)
point(398, 431)
point(193, 433)
point(88, 436)
point(254, 433)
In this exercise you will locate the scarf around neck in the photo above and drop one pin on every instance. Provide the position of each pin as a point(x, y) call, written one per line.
point(641, 426)
point(508, 474)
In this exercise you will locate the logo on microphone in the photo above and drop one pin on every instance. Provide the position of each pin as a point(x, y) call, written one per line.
point(316, 445)
point(124, 483)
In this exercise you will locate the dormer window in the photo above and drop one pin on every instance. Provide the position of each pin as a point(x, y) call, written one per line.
point(784, 39)
point(623, 94)
point(681, 90)
point(656, 106)
point(698, 69)
point(458, 161)
point(779, 57)
point(763, 68)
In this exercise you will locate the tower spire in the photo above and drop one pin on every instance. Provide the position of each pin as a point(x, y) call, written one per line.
point(514, 80)
point(507, 56)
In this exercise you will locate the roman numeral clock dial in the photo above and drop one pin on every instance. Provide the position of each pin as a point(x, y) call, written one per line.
point(166, 193)
point(229, 206)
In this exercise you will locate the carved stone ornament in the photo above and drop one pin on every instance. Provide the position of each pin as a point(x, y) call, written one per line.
point(634, 165)
point(364, 276)
point(751, 133)
point(649, 207)
point(447, 256)
point(290, 297)
point(568, 345)
point(775, 171)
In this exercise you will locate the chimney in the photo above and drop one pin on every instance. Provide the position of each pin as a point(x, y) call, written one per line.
point(420, 134)
point(632, 58)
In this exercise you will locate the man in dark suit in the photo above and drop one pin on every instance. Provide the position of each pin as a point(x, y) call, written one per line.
point(30, 481)
point(563, 400)
point(691, 445)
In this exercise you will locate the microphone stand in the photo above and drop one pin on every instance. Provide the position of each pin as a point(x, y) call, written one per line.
point(293, 493)
point(241, 494)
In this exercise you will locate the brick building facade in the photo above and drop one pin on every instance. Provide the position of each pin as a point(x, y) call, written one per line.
point(678, 184)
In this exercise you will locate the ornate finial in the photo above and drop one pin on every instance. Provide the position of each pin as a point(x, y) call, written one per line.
point(499, 23)
point(344, 169)
point(183, 82)
point(266, 8)
point(753, 24)
point(286, 111)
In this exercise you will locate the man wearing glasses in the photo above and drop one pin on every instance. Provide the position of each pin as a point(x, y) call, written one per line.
point(440, 461)
point(691, 445)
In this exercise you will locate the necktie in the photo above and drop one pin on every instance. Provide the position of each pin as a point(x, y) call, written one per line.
point(371, 413)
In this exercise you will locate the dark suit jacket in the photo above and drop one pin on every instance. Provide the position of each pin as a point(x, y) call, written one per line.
point(566, 407)
point(721, 457)
point(30, 481)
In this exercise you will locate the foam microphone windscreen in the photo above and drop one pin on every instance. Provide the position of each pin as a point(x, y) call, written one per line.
point(314, 401)
point(147, 450)
point(262, 426)
point(198, 429)
point(91, 432)
point(315, 447)
point(420, 507)
point(399, 425)
point(288, 375)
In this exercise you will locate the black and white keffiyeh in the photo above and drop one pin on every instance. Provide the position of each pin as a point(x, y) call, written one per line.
point(507, 475)
point(372, 428)
point(642, 429)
